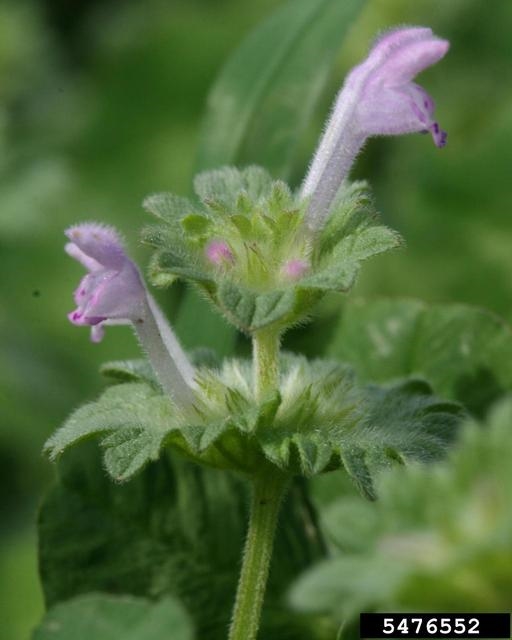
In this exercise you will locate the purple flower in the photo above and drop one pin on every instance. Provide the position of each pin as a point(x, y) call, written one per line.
point(113, 292)
point(378, 98)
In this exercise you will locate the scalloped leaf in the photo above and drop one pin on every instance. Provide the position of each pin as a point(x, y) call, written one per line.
point(400, 424)
point(406, 423)
point(134, 420)
point(169, 207)
point(360, 238)
point(320, 418)
point(168, 262)
point(353, 208)
point(251, 311)
point(220, 189)
point(262, 223)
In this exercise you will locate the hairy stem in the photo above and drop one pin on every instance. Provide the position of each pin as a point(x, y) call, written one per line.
point(266, 361)
point(269, 487)
point(268, 491)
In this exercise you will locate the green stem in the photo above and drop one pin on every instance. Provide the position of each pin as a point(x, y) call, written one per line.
point(268, 492)
point(269, 487)
point(266, 360)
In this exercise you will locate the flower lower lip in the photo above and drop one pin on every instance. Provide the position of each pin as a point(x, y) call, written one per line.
point(77, 317)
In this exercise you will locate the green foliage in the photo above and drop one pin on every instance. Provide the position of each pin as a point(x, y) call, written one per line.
point(464, 352)
point(107, 617)
point(266, 93)
point(319, 419)
point(176, 529)
point(405, 423)
point(438, 539)
point(129, 371)
point(133, 418)
point(260, 222)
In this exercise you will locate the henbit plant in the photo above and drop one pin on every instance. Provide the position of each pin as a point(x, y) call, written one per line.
point(264, 256)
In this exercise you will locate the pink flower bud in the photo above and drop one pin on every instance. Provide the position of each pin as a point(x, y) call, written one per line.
point(294, 269)
point(219, 253)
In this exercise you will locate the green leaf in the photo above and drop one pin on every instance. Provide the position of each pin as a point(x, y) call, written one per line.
point(133, 418)
point(438, 539)
point(406, 423)
point(319, 418)
point(250, 311)
point(243, 225)
point(99, 616)
point(222, 187)
point(129, 371)
point(161, 236)
point(168, 207)
point(352, 234)
point(465, 352)
point(200, 438)
point(260, 221)
point(170, 262)
point(354, 208)
point(354, 462)
point(324, 424)
point(175, 530)
point(195, 225)
point(265, 96)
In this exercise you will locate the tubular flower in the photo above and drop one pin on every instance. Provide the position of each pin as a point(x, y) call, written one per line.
point(113, 292)
point(378, 98)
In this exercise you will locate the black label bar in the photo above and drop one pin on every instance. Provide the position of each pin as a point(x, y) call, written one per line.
point(434, 625)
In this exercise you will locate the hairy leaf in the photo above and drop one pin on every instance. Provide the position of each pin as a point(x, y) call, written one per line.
point(260, 223)
point(319, 419)
point(168, 207)
point(251, 311)
point(129, 371)
point(133, 418)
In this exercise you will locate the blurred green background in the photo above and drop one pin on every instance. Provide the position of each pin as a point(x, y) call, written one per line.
point(101, 103)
